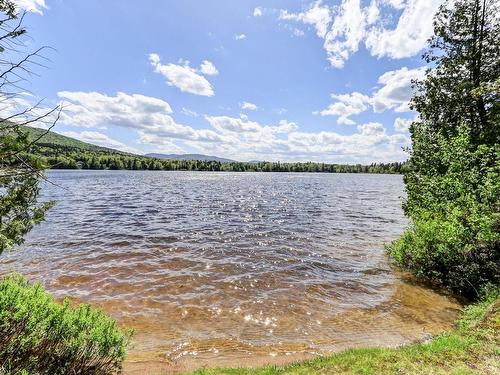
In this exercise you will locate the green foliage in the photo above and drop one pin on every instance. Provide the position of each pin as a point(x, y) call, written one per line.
point(453, 174)
point(454, 238)
point(460, 89)
point(60, 152)
point(40, 336)
point(19, 170)
point(475, 314)
point(18, 187)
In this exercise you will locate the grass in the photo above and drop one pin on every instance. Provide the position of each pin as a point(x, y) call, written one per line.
point(471, 348)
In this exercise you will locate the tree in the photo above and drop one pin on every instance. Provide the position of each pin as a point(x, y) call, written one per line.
point(20, 171)
point(460, 89)
point(38, 335)
point(452, 177)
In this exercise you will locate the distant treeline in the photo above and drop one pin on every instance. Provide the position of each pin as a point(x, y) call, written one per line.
point(64, 157)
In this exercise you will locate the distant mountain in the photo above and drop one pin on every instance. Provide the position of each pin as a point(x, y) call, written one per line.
point(51, 139)
point(256, 161)
point(190, 157)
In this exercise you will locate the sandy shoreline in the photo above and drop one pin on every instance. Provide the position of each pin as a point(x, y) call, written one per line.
point(409, 316)
point(149, 367)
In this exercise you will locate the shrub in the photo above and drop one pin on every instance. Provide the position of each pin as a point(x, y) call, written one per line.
point(453, 174)
point(454, 237)
point(41, 336)
point(439, 251)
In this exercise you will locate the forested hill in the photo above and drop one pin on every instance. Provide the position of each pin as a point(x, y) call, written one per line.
point(61, 152)
point(52, 139)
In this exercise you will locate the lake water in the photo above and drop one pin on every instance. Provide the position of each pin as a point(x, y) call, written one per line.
point(232, 268)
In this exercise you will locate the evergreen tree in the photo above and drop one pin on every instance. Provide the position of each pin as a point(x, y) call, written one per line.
point(453, 173)
point(460, 89)
point(20, 171)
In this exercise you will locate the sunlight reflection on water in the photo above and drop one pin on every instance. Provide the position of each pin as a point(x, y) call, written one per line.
point(230, 265)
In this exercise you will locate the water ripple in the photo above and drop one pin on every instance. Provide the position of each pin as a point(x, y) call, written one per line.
point(215, 265)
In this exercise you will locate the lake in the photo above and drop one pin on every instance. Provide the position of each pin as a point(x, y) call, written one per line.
point(232, 268)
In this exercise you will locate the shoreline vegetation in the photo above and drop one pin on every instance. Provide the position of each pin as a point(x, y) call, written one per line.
point(452, 179)
point(39, 335)
point(60, 152)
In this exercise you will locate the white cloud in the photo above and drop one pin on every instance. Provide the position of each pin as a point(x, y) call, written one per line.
point(243, 127)
point(248, 105)
point(21, 107)
point(371, 128)
point(344, 27)
point(183, 77)
point(232, 124)
point(409, 36)
point(35, 6)
point(347, 31)
point(317, 15)
point(208, 68)
point(402, 125)
point(226, 124)
point(345, 106)
point(285, 126)
point(372, 13)
point(151, 117)
point(189, 112)
point(162, 145)
point(257, 12)
point(370, 143)
point(397, 4)
point(154, 59)
point(250, 140)
point(92, 109)
point(396, 90)
point(158, 135)
point(100, 139)
point(14, 105)
point(240, 36)
point(235, 137)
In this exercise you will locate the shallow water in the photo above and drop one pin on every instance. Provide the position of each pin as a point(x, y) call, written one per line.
point(232, 268)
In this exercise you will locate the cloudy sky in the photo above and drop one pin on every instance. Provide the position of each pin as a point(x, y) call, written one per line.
point(268, 80)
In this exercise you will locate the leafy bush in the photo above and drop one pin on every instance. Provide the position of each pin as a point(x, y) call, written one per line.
point(453, 174)
point(40, 336)
point(454, 239)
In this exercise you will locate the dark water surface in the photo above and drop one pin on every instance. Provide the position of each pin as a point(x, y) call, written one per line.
point(232, 268)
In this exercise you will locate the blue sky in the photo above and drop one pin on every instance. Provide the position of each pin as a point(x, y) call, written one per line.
point(267, 80)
